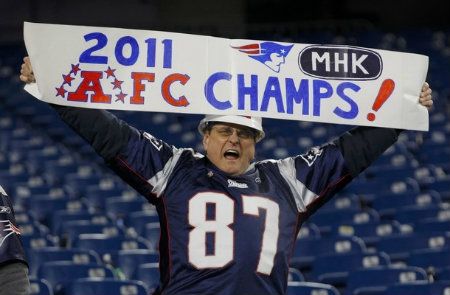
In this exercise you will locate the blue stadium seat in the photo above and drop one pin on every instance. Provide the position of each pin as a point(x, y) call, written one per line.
point(430, 258)
point(388, 204)
point(442, 186)
point(138, 220)
point(443, 274)
point(301, 288)
point(308, 231)
point(59, 218)
point(334, 268)
point(60, 273)
point(120, 207)
point(36, 241)
point(95, 196)
point(42, 206)
point(37, 257)
point(152, 234)
point(412, 214)
point(398, 247)
point(149, 274)
point(345, 201)
point(306, 250)
point(327, 218)
point(375, 280)
point(432, 225)
point(97, 286)
point(108, 247)
point(419, 288)
point(370, 232)
point(129, 260)
point(40, 287)
point(294, 275)
point(72, 229)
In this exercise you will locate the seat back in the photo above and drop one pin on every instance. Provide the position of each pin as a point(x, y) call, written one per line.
point(60, 273)
point(37, 257)
point(302, 288)
point(129, 260)
point(382, 276)
point(96, 286)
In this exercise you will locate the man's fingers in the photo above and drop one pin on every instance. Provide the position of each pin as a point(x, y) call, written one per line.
point(426, 92)
point(26, 71)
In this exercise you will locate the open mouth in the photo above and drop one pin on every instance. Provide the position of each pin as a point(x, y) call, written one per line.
point(231, 154)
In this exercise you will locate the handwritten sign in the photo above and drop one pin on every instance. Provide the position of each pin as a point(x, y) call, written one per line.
point(138, 70)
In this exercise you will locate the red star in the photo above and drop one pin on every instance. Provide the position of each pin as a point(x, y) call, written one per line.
point(117, 84)
point(121, 96)
point(68, 79)
point(60, 91)
point(110, 72)
point(75, 68)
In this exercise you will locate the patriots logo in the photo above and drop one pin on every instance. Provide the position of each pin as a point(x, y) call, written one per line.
point(311, 156)
point(270, 54)
point(7, 229)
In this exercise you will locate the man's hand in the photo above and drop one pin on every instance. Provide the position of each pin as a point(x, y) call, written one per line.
point(26, 71)
point(425, 98)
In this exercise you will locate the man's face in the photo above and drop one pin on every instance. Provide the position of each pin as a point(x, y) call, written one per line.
point(230, 147)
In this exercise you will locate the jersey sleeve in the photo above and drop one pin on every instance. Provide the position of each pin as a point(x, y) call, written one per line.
point(147, 163)
point(142, 160)
point(10, 245)
point(314, 177)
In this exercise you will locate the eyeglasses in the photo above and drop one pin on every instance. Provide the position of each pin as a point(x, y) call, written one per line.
point(227, 131)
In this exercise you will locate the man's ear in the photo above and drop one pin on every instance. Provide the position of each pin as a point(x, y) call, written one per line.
point(205, 141)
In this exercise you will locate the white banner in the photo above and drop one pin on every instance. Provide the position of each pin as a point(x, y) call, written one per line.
point(139, 70)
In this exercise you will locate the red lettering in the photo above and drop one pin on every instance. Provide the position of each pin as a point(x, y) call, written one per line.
point(138, 87)
point(91, 82)
point(165, 89)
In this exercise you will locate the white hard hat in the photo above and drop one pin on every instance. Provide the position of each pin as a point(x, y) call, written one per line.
point(252, 122)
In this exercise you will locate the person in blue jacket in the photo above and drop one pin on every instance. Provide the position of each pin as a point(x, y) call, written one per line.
point(228, 223)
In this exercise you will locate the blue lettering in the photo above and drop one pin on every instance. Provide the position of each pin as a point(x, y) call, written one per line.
point(300, 95)
point(251, 91)
point(209, 90)
point(353, 112)
point(318, 94)
point(272, 90)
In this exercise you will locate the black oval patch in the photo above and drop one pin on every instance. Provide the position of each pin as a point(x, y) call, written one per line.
point(340, 62)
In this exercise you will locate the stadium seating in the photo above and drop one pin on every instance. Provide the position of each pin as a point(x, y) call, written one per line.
point(306, 250)
point(106, 246)
point(419, 288)
point(370, 232)
point(399, 246)
point(430, 259)
point(138, 220)
point(61, 273)
point(374, 280)
point(399, 205)
point(149, 274)
point(334, 268)
point(40, 287)
point(300, 288)
point(96, 286)
point(37, 257)
point(443, 274)
point(128, 261)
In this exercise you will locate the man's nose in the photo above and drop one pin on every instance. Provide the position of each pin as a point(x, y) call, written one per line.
point(234, 137)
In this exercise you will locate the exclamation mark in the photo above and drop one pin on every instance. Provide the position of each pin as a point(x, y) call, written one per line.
point(386, 89)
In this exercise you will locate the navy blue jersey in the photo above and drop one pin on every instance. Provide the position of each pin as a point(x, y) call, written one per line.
point(223, 234)
point(10, 245)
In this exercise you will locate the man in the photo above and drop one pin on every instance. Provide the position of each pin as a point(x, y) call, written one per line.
point(228, 224)
point(13, 267)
